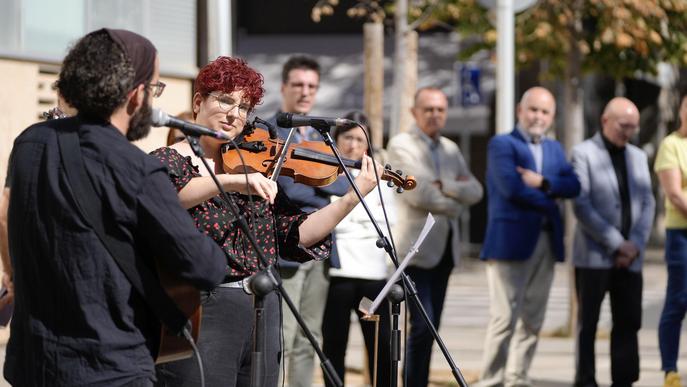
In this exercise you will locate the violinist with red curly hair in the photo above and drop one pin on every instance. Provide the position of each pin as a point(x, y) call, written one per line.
point(226, 91)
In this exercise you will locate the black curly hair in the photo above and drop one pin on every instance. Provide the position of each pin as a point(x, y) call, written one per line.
point(96, 76)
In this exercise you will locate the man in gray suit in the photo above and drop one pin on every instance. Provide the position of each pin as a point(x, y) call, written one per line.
point(615, 211)
point(444, 187)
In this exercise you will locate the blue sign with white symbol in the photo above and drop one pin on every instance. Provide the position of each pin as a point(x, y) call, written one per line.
point(470, 92)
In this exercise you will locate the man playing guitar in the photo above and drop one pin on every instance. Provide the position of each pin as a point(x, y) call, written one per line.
point(78, 319)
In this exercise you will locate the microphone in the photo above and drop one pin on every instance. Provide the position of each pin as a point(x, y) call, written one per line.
point(290, 120)
point(161, 118)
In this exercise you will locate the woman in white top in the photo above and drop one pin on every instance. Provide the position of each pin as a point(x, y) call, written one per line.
point(363, 268)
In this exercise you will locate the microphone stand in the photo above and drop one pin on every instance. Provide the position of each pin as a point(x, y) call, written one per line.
point(383, 242)
point(260, 285)
point(395, 296)
point(267, 275)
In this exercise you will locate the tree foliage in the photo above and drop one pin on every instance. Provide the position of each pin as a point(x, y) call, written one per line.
point(370, 10)
point(615, 37)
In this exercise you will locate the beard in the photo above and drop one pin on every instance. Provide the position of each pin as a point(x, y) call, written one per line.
point(141, 121)
point(537, 130)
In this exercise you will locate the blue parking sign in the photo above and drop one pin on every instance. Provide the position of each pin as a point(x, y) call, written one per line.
point(470, 92)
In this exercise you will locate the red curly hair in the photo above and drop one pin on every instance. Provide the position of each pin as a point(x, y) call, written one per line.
point(229, 74)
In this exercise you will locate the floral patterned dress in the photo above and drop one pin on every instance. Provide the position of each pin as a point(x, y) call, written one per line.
point(275, 227)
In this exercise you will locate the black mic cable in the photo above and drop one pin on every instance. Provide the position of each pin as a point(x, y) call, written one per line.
point(270, 128)
point(199, 360)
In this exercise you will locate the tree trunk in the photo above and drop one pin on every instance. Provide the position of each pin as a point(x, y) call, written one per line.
point(406, 120)
point(374, 80)
point(573, 134)
point(401, 16)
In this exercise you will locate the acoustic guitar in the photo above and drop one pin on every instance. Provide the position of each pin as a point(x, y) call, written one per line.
point(172, 346)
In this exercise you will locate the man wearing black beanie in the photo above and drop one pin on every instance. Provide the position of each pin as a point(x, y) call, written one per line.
point(78, 319)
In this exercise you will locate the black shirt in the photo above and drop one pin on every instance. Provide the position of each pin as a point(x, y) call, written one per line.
point(620, 167)
point(77, 319)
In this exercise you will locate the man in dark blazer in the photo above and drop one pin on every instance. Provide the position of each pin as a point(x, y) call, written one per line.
point(526, 174)
point(615, 212)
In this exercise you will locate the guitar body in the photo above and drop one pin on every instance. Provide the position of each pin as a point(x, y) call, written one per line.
point(174, 347)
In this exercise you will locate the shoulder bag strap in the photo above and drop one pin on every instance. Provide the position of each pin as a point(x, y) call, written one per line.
point(89, 205)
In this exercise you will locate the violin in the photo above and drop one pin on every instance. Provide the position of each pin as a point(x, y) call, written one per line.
point(54, 114)
point(309, 162)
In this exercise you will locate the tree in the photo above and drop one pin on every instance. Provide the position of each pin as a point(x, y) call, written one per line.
point(405, 57)
point(620, 38)
point(617, 37)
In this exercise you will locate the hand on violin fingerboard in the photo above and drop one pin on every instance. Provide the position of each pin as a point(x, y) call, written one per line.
point(366, 180)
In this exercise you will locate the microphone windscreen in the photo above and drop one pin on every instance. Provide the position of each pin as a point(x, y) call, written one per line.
point(284, 120)
point(159, 118)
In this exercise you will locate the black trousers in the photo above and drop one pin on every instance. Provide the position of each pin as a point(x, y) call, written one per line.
point(226, 343)
point(431, 285)
point(625, 290)
point(145, 382)
point(343, 297)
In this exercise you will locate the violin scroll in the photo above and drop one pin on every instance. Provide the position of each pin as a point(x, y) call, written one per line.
point(395, 178)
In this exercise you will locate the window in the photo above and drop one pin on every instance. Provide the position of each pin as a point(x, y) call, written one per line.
point(45, 30)
point(49, 27)
point(9, 26)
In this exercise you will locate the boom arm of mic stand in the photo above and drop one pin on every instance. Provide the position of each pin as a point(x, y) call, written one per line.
point(327, 366)
point(407, 283)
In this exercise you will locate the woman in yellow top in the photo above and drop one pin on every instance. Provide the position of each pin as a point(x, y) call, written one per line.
point(671, 168)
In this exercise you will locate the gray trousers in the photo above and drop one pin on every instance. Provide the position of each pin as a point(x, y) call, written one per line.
point(307, 286)
point(518, 293)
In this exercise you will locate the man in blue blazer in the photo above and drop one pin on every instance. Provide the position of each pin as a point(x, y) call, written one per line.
point(615, 212)
point(526, 174)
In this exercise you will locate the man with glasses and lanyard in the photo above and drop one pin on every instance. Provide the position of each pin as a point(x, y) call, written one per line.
point(306, 283)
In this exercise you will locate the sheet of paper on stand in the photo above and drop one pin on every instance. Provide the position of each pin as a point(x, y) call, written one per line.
point(369, 307)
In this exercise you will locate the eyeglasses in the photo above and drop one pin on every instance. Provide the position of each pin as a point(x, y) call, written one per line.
point(158, 88)
point(227, 104)
point(304, 85)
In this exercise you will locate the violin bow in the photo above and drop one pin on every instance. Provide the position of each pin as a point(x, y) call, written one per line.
point(282, 155)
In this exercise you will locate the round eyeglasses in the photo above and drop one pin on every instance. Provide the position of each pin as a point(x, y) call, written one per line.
point(227, 103)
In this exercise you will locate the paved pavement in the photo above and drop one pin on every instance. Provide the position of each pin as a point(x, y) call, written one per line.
point(466, 316)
